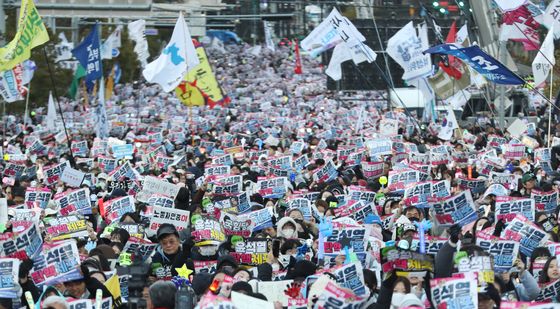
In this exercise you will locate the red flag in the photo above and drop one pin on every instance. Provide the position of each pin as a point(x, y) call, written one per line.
point(298, 69)
point(452, 69)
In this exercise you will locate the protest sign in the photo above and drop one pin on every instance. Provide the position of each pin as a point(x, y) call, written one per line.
point(107, 165)
point(508, 207)
point(53, 173)
point(115, 208)
point(223, 160)
point(456, 292)
point(242, 201)
point(14, 170)
point(235, 226)
point(106, 303)
point(502, 251)
point(357, 193)
point(529, 235)
point(241, 300)
point(549, 292)
point(124, 171)
point(74, 201)
point(303, 205)
point(9, 270)
point(153, 185)
point(517, 128)
point(300, 163)
point(350, 276)
point(335, 297)
point(456, 209)
point(37, 197)
point(398, 180)
point(545, 201)
point(433, 244)
point(23, 218)
point(388, 127)
point(208, 230)
point(326, 173)
point(136, 248)
point(379, 147)
point(514, 151)
point(133, 229)
point(252, 251)
point(179, 218)
point(475, 185)
point(418, 194)
point(161, 201)
point(274, 290)
point(361, 213)
point(80, 149)
point(22, 245)
point(272, 187)
point(217, 170)
point(481, 266)
point(72, 177)
point(226, 189)
point(372, 169)
point(505, 179)
point(64, 228)
point(353, 237)
point(58, 263)
point(205, 266)
point(122, 151)
point(262, 218)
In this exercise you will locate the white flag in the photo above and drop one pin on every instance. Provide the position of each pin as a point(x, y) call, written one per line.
point(110, 48)
point(338, 28)
point(407, 50)
point(51, 114)
point(510, 5)
point(218, 45)
point(63, 49)
point(136, 32)
point(543, 63)
point(255, 50)
point(342, 53)
point(169, 69)
point(268, 36)
point(552, 17)
point(102, 124)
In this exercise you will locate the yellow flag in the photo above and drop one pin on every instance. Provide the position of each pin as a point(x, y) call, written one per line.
point(31, 33)
point(189, 94)
point(200, 87)
point(110, 85)
point(113, 285)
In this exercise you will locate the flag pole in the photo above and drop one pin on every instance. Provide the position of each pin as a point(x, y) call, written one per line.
point(191, 120)
point(26, 105)
point(72, 160)
point(550, 109)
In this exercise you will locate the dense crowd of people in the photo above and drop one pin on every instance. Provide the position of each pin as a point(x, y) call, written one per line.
point(287, 196)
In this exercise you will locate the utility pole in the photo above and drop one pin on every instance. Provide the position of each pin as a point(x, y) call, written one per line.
point(2, 24)
point(501, 111)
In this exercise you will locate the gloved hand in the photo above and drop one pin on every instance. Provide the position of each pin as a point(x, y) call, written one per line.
point(24, 268)
point(454, 232)
point(499, 227)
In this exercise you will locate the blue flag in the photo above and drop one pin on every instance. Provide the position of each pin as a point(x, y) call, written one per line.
point(88, 54)
point(481, 62)
point(118, 72)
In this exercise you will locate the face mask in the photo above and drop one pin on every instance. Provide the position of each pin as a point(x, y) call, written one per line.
point(208, 250)
point(288, 232)
point(59, 189)
point(394, 211)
